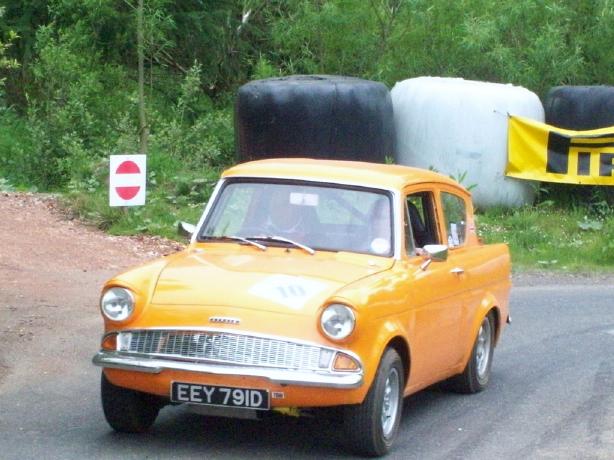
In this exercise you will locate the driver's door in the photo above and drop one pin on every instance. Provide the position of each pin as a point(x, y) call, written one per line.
point(433, 294)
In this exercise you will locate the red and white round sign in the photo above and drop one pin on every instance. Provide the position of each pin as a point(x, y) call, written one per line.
point(127, 180)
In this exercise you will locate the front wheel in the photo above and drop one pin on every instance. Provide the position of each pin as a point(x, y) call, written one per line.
point(476, 375)
point(372, 426)
point(128, 411)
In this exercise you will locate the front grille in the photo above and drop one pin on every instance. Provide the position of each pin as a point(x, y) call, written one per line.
point(223, 347)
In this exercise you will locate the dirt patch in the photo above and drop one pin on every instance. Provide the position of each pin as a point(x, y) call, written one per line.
point(51, 271)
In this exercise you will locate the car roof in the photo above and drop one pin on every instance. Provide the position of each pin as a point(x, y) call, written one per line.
point(374, 175)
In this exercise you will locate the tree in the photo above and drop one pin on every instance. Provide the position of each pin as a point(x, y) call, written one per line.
point(143, 129)
point(6, 63)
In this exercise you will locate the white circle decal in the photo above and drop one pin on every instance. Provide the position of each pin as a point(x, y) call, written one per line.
point(380, 246)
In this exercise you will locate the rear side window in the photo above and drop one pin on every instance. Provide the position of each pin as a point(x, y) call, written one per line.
point(455, 215)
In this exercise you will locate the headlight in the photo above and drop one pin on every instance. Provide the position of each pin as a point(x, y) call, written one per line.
point(117, 303)
point(337, 321)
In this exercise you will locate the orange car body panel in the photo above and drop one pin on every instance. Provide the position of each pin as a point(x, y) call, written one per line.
point(436, 313)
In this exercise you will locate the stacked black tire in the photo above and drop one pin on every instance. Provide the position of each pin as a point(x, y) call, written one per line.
point(580, 107)
point(314, 116)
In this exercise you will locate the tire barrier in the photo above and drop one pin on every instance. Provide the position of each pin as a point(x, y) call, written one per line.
point(459, 127)
point(580, 107)
point(314, 116)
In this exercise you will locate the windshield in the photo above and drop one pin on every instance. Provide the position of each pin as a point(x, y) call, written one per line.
point(322, 217)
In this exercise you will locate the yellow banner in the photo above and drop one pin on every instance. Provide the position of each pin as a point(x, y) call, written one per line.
point(538, 151)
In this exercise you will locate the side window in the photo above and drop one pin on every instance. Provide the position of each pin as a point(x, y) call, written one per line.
point(420, 226)
point(456, 217)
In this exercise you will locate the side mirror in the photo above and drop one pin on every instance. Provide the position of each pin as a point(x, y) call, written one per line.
point(186, 230)
point(434, 252)
point(437, 252)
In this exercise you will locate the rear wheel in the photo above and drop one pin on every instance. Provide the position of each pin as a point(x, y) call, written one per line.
point(372, 426)
point(128, 411)
point(476, 375)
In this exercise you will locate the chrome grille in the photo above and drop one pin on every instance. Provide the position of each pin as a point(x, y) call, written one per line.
point(223, 347)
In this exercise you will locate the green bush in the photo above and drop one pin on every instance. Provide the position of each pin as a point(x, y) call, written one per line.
point(17, 165)
point(195, 131)
point(75, 100)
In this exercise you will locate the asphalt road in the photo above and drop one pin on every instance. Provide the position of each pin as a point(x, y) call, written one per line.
point(551, 396)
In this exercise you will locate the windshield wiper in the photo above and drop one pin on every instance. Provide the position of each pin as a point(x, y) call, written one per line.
point(284, 240)
point(237, 238)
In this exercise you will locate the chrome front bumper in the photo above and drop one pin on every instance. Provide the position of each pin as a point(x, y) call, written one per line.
point(152, 365)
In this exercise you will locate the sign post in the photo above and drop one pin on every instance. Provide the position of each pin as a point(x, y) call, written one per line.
point(127, 180)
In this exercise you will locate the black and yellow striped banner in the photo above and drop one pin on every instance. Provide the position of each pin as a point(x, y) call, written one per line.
point(538, 151)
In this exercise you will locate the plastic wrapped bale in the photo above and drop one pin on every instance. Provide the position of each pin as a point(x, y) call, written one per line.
point(330, 117)
point(459, 127)
point(580, 107)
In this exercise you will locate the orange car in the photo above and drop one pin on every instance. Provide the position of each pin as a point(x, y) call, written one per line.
point(309, 283)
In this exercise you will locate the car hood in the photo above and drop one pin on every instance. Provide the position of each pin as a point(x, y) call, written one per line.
point(275, 280)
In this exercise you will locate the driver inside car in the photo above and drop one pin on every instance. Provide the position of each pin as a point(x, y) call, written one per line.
point(284, 218)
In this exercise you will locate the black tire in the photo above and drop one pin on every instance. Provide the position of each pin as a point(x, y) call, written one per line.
point(476, 375)
point(580, 107)
point(366, 432)
point(128, 411)
point(314, 116)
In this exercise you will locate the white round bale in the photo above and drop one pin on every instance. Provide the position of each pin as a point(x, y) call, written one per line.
point(459, 127)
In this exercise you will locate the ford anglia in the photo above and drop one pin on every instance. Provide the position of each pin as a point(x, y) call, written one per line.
point(309, 284)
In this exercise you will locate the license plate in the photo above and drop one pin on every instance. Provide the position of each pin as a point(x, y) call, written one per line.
point(212, 395)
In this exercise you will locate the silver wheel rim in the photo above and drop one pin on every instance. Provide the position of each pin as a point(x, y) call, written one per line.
point(482, 350)
point(390, 405)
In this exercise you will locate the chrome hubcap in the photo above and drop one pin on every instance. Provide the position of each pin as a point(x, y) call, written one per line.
point(482, 352)
point(390, 405)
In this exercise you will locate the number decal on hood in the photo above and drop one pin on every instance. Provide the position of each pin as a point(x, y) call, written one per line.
point(292, 291)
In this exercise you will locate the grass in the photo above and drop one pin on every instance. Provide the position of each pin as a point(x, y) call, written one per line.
point(547, 237)
point(174, 193)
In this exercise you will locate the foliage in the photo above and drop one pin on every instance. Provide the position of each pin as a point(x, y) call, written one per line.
point(69, 71)
point(461, 178)
point(534, 44)
point(321, 37)
point(173, 194)
point(75, 101)
point(551, 237)
point(6, 62)
point(15, 144)
point(196, 133)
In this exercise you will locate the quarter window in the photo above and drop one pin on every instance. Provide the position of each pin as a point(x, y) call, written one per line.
point(456, 218)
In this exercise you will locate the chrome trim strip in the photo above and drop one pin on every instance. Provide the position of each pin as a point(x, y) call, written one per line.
point(327, 379)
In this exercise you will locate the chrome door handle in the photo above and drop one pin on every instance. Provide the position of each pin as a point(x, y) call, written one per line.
point(457, 271)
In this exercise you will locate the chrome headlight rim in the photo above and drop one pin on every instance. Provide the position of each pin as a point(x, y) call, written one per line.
point(337, 321)
point(109, 303)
